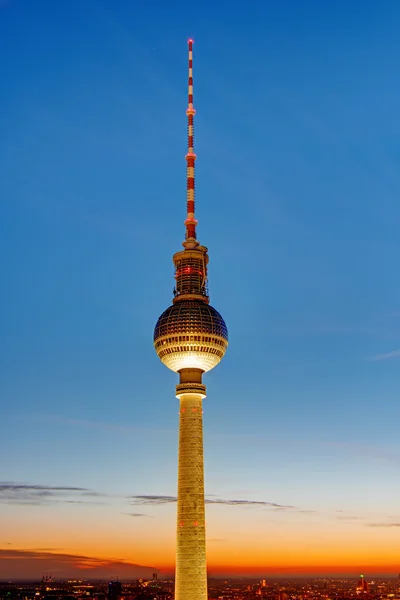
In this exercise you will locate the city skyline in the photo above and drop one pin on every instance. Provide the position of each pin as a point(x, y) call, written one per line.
point(298, 186)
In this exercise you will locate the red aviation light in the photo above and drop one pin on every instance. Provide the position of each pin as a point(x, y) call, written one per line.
point(188, 271)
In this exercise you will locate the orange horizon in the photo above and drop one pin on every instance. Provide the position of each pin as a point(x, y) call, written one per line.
point(276, 569)
point(221, 570)
point(90, 566)
point(85, 561)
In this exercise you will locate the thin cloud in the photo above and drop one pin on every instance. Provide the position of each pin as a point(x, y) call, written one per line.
point(382, 524)
point(46, 550)
point(389, 454)
point(7, 485)
point(21, 493)
point(80, 502)
point(143, 500)
point(247, 503)
point(33, 561)
point(101, 425)
point(136, 515)
point(330, 328)
point(156, 500)
point(307, 512)
point(385, 356)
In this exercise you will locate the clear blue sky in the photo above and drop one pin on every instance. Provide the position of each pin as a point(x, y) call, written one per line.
point(297, 138)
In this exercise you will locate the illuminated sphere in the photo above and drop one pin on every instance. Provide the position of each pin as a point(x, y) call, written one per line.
point(190, 334)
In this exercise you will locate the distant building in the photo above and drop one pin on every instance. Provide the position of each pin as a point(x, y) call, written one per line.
point(114, 590)
point(362, 585)
point(154, 576)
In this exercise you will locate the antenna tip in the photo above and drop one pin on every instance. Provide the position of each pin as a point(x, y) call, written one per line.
point(190, 41)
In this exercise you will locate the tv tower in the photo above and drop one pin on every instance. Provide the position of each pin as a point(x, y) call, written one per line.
point(190, 338)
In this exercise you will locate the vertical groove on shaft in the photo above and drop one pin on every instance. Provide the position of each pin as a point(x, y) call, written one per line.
point(191, 568)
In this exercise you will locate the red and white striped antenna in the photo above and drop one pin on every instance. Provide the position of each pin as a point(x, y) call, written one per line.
point(190, 222)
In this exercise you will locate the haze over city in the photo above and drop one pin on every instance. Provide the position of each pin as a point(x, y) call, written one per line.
point(297, 189)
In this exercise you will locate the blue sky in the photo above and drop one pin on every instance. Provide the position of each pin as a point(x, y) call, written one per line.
point(297, 138)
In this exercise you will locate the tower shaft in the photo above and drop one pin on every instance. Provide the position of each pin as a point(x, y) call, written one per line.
point(191, 567)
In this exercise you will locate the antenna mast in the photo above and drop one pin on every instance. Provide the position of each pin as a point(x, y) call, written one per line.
point(190, 222)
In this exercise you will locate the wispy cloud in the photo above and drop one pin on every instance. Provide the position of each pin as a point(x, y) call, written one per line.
point(101, 425)
point(143, 500)
point(155, 500)
point(349, 518)
point(79, 502)
point(307, 512)
point(385, 356)
point(21, 493)
point(331, 328)
point(382, 524)
point(247, 503)
point(40, 550)
point(136, 515)
point(32, 562)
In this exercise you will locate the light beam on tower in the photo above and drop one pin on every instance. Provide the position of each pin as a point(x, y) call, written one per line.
point(190, 338)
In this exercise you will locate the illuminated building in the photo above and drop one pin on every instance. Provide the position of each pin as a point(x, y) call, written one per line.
point(362, 585)
point(190, 338)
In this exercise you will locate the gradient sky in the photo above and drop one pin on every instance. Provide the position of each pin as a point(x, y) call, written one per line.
point(297, 138)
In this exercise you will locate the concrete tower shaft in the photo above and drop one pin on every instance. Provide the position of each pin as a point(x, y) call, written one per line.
point(191, 567)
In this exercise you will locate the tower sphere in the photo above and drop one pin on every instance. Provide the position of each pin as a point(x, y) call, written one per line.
point(190, 334)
